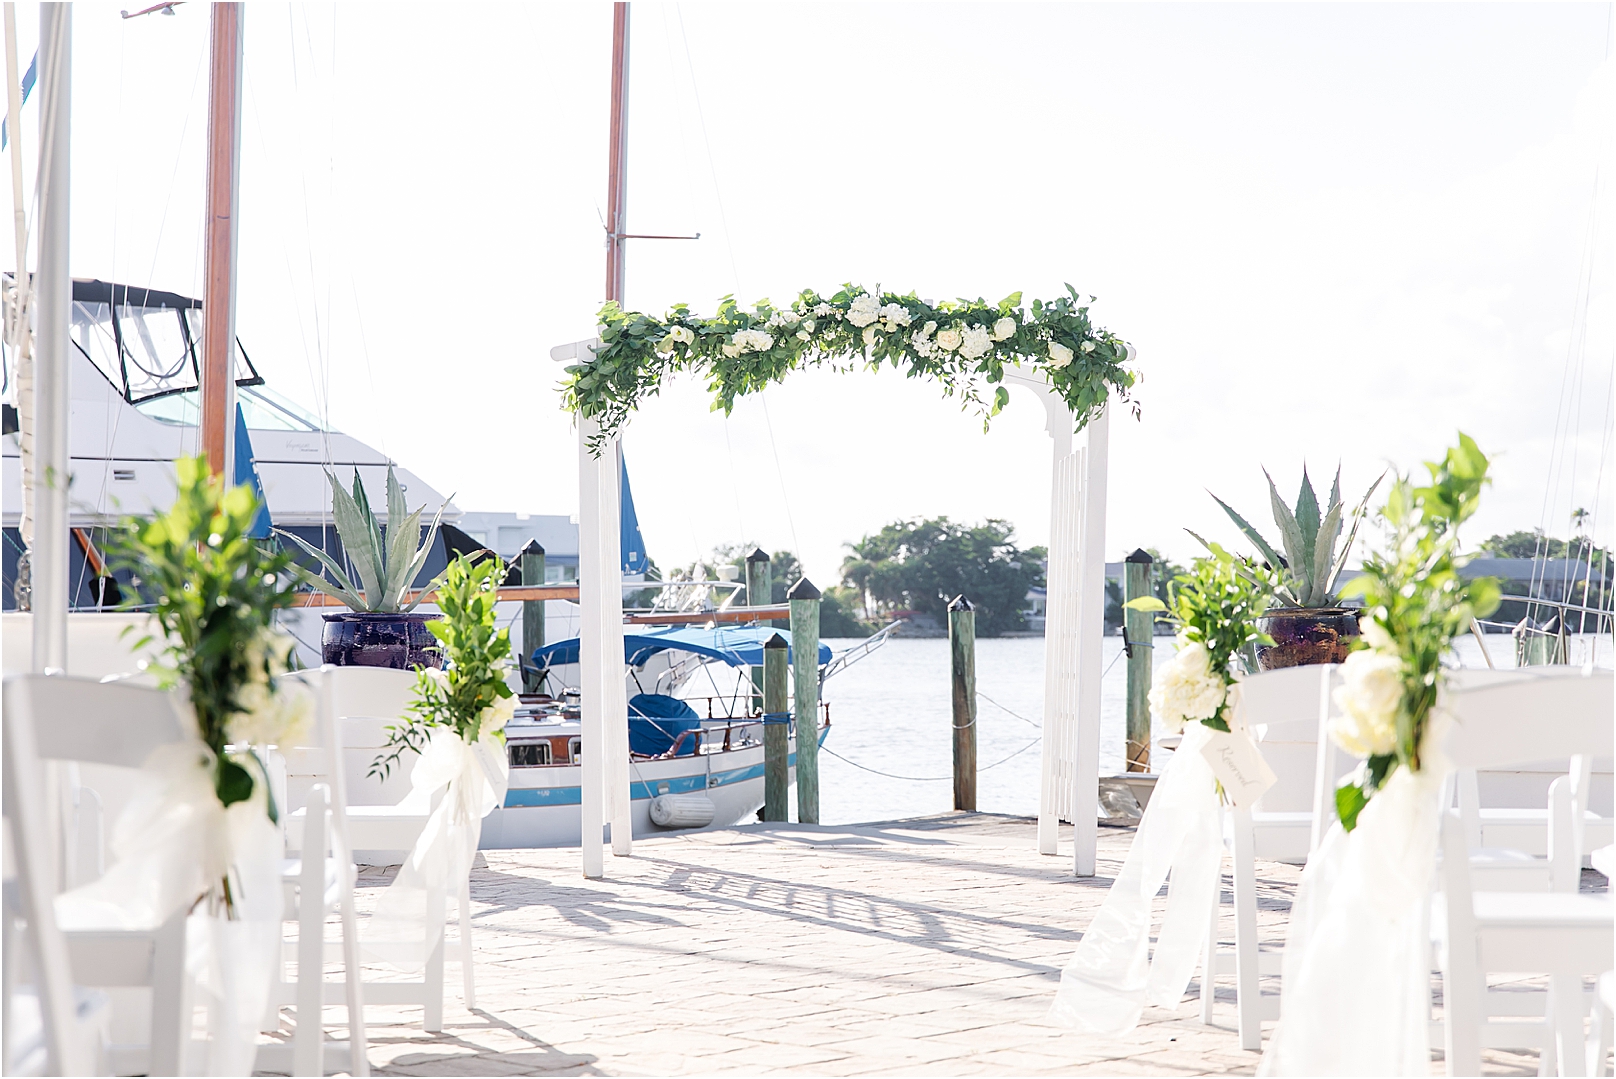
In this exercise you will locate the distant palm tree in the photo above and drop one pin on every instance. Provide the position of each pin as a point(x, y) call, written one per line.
point(1579, 520)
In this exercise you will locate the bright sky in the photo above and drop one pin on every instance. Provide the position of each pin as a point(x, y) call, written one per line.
point(1333, 233)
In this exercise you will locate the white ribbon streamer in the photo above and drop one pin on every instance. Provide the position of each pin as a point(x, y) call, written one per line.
point(1356, 992)
point(1112, 976)
point(175, 843)
point(473, 778)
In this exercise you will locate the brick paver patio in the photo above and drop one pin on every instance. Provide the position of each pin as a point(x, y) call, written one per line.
point(929, 946)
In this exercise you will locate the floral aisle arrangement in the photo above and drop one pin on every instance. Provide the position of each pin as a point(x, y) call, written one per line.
point(1417, 603)
point(201, 836)
point(1113, 973)
point(216, 592)
point(963, 344)
point(457, 726)
point(1356, 991)
point(1216, 607)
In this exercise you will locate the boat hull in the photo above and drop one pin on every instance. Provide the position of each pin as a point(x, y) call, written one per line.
point(543, 806)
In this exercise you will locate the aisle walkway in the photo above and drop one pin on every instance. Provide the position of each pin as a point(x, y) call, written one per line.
point(927, 946)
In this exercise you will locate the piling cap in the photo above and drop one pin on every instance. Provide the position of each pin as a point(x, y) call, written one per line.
point(777, 642)
point(533, 547)
point(803, 589)
point(960, 603)
point(758, 555)
point(1140, 556)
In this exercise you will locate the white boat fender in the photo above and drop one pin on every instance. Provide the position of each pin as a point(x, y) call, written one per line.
point(693, 810)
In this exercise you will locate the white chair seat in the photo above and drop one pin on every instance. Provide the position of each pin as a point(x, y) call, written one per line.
point(1502, 870)
point(1526, 829)
point(1547, 910)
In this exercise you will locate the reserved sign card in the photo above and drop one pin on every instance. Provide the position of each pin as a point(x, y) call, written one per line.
point(1239, 766)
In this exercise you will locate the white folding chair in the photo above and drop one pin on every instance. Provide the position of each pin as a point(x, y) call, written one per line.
point(49, 1027)
point(317, 883)
point(1600, 1035)
point(1514, 718)
point(1286, 711)
point(362, 701)
point(115, 724)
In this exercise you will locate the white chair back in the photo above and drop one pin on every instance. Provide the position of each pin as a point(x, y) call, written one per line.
point(363, 703)
point(1283, 709)
point(1531, 714)
point(27, 845)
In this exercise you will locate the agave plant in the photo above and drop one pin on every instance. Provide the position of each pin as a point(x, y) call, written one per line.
point(1311, 563)
point(384, 569)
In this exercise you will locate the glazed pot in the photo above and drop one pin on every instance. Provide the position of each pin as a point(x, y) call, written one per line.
point(1304, 636)
point(380, 639)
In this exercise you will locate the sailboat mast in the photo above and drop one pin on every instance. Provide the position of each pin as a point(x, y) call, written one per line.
point(219, 296)
point(617, 161)
point(54, 307)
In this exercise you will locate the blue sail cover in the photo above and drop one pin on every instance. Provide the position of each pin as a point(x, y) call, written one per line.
point(738, 646)
point(632, 543)
point(247, 472)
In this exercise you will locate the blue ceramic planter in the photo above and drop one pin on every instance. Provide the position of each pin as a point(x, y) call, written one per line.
point(373, 639)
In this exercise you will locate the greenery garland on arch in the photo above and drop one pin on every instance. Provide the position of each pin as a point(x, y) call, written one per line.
point(964, 344)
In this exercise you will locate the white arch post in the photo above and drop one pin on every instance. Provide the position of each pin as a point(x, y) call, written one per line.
point(604, 703)
point(1074, 627)
point(1073, 632)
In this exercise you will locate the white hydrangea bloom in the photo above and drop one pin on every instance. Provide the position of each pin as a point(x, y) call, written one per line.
point(864, 310)
point(1186, 689)
point(1004, 329)
point(1059, 354)
point(975, 341)
point(278, 718)
point(824, 310)
point(1371, 690)
point(948, 340)
point(922, 342)
point(753, 341)
point(895, 314)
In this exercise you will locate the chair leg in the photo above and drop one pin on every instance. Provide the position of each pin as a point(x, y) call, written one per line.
point(1462, 1008)
point(1565, 1016)
point(468, 966)
point(1209, 956)
point(1599, 1038)
point(432, 1021)
point(1248, 990)
point(171, 999)
point(308, 1042)
point(353, 982)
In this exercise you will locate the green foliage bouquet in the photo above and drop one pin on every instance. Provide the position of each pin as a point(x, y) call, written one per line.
point(217, 592)
point(1216, 606)
point(469, 696)
point(1417, 604)
point(965, 345)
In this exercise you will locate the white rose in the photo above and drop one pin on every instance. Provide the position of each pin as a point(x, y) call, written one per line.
point(808, 324)
point(864, 310)
point(804, 335)
point(753, 341)
point(1059, 354)
point(1004, 329)
point(1086, 346)
point(1375, 635)
point(1186, 688)
point(975, 341)
point(869, 335)
point(686, 334)
point(948, 340)
point(496, 715)
point(1370, 693)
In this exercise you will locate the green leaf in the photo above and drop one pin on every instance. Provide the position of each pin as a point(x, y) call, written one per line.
point(343, 590)
point(1290, 533)
point(1250, 533)
point(1217, 723)
point(354, 528)
point(1349, 802)
point(1328, 531)
point(233, 782)
point(1307, 518)
point(1145, 603)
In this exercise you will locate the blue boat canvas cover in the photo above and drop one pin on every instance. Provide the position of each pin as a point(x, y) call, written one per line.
point(737, 646)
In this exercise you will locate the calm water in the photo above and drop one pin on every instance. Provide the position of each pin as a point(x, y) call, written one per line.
point(890, 712)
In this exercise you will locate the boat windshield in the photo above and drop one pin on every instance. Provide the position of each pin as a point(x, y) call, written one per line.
point(261, 407)
point(144, 342)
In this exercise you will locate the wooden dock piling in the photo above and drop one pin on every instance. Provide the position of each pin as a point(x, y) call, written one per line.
point(776, 737)
point(962, 658)
point(759, 591)
point(1140, 639)
point(532, 570)
point(804, 600)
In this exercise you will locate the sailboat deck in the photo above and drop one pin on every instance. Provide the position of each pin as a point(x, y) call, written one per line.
point(931, 946)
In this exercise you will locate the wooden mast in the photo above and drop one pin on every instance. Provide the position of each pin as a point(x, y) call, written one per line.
point(617, 160)
point(219, 296)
